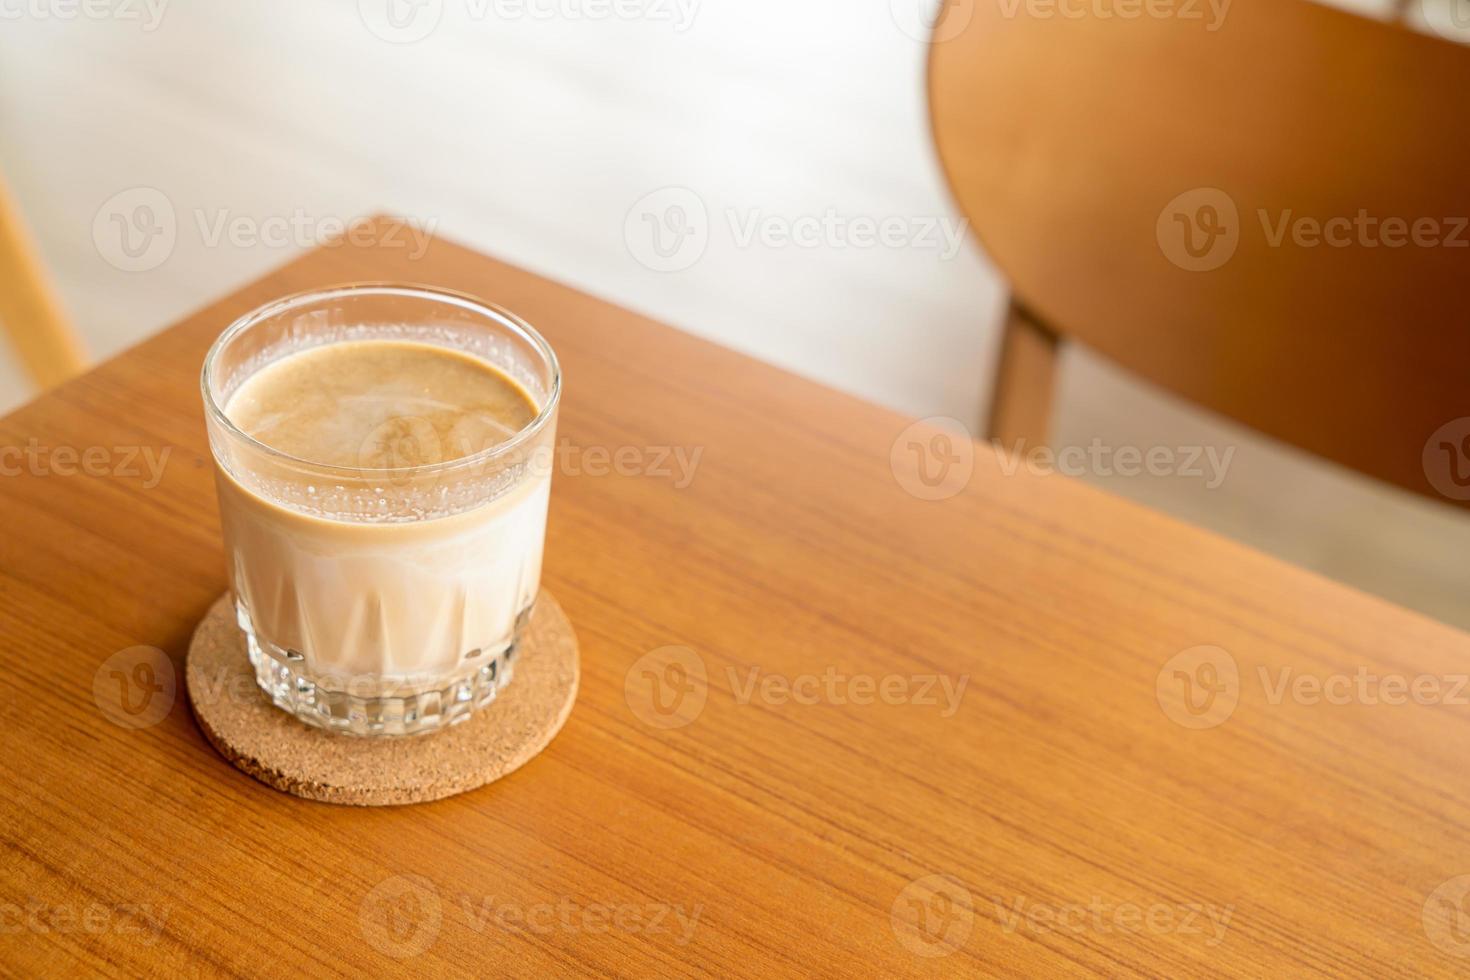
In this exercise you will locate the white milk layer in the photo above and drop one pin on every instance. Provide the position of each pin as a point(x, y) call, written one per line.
point(382, 608)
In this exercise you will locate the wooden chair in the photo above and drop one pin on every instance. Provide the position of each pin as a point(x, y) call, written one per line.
point(30, 313)
point(1069, 142)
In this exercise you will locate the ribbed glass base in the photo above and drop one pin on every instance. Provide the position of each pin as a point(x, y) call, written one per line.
point(292, 689)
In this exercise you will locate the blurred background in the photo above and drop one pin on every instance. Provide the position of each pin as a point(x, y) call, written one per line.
point(542, 132)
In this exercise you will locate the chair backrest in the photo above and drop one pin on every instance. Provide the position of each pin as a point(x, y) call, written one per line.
point(1266, 212)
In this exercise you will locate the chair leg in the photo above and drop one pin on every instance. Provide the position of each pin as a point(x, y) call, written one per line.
point(30, 312)
point(1020, 404)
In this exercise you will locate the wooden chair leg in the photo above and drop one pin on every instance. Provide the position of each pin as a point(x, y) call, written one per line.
point(1020, 404)
point(30, 312)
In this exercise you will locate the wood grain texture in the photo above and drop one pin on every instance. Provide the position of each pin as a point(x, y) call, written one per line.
point(795, 831)
point(1315, 161)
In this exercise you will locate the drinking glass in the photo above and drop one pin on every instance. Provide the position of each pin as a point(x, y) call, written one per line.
point(387, 598)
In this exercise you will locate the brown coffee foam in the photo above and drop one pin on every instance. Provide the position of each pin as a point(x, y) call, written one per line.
point(275, 748)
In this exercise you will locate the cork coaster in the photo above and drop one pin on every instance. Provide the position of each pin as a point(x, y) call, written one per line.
point(291, 756)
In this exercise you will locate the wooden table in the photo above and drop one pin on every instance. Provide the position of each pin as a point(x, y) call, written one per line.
point(823, 803)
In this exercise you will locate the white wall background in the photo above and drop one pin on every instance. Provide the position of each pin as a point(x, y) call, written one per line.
point(531, 138)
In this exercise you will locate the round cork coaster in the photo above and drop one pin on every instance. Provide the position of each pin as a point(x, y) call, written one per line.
point(275, 748)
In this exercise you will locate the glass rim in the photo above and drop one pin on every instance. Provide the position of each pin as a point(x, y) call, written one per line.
point(453, 297)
